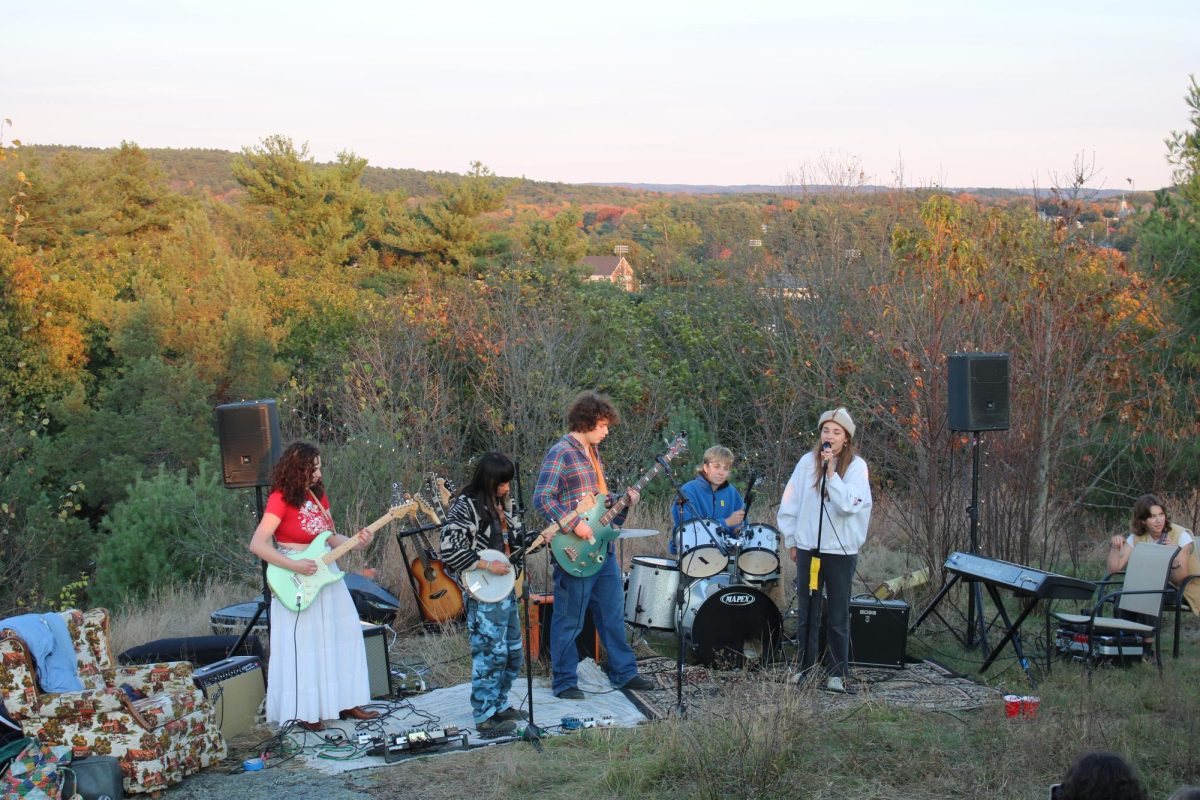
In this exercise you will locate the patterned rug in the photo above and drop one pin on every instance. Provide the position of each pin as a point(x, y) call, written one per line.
point(925, 685)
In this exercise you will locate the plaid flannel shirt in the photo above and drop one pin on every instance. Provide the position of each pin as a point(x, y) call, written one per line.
point(565, 477)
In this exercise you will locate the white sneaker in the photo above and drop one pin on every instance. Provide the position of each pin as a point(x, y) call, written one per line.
point(836, 685)
point(795, 678)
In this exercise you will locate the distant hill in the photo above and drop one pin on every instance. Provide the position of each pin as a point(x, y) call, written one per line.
point(196, 169)
point(764, 188)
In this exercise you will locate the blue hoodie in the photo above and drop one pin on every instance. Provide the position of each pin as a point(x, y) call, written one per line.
point(705, 502)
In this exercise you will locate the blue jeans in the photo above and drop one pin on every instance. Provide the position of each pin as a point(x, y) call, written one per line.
point(495, 634)
point(604, 594)
point(837, 572)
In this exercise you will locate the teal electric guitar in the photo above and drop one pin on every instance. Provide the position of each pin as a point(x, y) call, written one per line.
point(582, 558)
point(297, 591)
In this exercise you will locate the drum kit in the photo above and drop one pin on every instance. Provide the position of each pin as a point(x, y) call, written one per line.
point(728, 617)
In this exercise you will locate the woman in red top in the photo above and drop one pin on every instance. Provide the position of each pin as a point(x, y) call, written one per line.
point(318, 665)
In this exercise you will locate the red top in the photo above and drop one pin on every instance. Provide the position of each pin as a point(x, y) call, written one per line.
point(299, 525)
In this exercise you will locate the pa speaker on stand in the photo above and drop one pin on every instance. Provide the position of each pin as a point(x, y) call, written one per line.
point(250, 442)
point(250, 446)
point(977, 392)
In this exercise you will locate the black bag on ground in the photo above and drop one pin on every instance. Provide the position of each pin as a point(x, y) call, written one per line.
point(94, 778)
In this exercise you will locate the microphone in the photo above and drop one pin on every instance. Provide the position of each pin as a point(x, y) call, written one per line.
point(826, 446)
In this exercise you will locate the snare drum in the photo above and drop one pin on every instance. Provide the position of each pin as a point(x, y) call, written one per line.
point(702, 555)
point(725, 623)
point(650, 594)
point(760, 551)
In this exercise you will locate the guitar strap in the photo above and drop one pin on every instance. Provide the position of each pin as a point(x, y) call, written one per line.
point(325, 515)
point(601, 484)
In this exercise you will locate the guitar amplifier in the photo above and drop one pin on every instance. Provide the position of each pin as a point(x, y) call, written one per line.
point(878, 632)
point(378, 668)
point(236, 687)
point(541, 611)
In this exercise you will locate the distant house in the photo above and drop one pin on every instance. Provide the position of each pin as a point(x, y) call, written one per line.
point(614, 269)
point(787, 286)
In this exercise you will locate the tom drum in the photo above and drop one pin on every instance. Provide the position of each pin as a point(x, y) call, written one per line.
point(702, 555)
point(650, 593)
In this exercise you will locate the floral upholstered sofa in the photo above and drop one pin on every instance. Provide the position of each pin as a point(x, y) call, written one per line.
point(152, 718)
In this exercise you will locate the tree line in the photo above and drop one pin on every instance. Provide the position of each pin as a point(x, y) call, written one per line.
point(407, 333)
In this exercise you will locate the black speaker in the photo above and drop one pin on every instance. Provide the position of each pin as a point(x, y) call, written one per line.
point(250, 442)
point(978, 391)
point(878, 632)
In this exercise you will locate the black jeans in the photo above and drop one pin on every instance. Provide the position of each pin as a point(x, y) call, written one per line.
point(835, 577)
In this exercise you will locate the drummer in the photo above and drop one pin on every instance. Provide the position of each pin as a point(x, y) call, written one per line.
point(710, 495)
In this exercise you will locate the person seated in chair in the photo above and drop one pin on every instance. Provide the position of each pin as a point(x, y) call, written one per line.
point(1151, 525)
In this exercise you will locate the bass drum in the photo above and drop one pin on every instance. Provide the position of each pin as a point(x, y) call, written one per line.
point(727, 624)
point(650, 594)
point(759, 556)
point(702, 554)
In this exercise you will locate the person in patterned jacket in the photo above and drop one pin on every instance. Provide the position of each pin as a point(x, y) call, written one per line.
point(478, 520)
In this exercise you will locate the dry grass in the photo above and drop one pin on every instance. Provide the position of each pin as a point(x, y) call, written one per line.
point(175, 610)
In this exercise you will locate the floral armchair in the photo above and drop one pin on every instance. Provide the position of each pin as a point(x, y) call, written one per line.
point(165, 734)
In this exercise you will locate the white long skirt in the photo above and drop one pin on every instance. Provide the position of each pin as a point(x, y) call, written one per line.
point(318, 663)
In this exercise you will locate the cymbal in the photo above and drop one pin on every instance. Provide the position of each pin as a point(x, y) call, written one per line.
point(637, 533)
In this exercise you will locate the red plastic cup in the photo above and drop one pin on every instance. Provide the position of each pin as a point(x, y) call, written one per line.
point(1030, 706)
point(1012, 705)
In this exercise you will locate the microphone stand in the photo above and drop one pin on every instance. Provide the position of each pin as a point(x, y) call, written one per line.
point(677, 536)
point(532, 733)
point(814, 579)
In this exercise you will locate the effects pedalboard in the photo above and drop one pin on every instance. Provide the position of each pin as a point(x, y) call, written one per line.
point(395, 746)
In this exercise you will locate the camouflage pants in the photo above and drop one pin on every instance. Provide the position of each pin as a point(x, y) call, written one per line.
point(495, 654)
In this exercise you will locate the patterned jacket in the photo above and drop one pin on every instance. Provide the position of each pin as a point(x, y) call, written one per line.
point(466, 533)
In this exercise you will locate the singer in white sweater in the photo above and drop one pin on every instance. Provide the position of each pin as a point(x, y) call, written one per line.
point(834, 537)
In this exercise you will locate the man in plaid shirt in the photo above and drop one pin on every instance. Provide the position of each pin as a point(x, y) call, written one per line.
point(569, 471)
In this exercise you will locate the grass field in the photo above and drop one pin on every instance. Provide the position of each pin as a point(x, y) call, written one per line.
point(787, 748)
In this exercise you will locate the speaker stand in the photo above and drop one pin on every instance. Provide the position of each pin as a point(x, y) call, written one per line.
point(975, 593)
point(263, 601)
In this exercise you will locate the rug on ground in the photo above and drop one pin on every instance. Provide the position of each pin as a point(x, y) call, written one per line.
point(925, 685)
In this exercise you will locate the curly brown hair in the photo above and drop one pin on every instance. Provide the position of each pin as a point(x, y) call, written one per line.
point(588, 410)
point(292, 474)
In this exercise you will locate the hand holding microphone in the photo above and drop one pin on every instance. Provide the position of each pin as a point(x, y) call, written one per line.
point(826, 455)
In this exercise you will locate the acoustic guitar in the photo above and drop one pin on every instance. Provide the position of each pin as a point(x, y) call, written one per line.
point(438, 596)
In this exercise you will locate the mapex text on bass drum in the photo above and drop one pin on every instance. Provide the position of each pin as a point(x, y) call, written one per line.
point(726, 623)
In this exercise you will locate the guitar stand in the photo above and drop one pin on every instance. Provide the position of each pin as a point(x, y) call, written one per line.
point(264, 602)
point(427, 623)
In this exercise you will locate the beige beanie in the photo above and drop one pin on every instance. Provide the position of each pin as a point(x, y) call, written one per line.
point(839, 415)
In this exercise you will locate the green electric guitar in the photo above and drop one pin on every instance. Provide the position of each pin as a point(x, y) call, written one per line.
point(582, 558)
point(297, 591)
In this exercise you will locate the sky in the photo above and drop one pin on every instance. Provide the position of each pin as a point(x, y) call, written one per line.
point(971, 93)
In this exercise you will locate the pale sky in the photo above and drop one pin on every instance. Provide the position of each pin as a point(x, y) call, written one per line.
point(960, 93)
